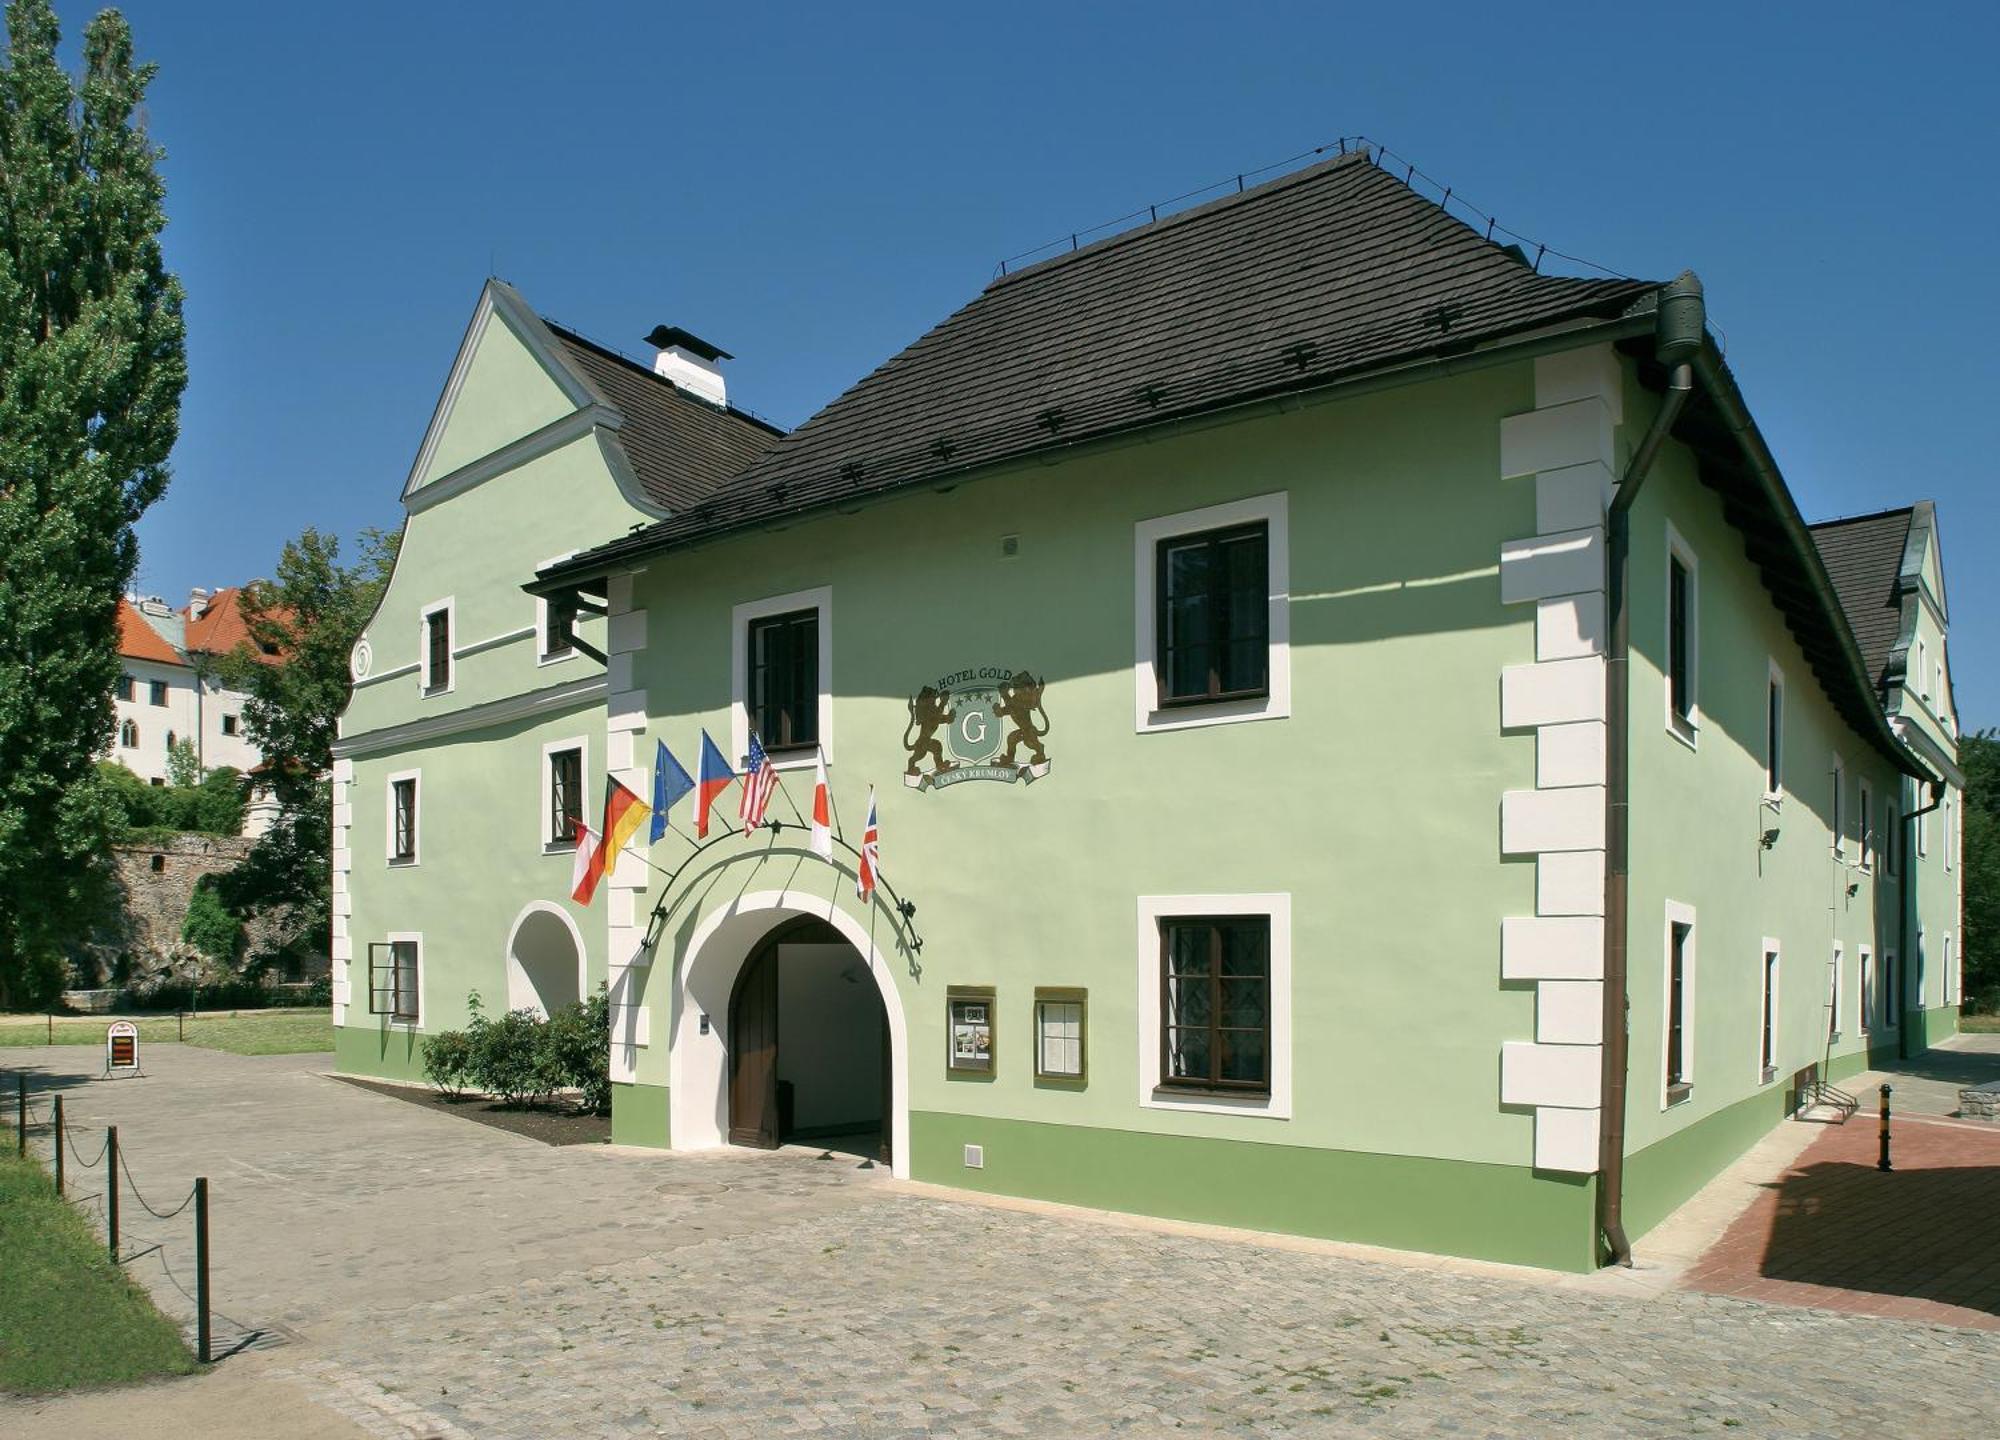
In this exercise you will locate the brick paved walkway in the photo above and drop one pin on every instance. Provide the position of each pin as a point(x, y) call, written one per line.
point(441, 1279)
point(1919, 1243)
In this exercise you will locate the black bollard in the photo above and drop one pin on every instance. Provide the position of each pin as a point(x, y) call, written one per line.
point(111, 1190)
point(59, 1145)
point(21, 1113)
point(202, 1346)
point(1883, 1163)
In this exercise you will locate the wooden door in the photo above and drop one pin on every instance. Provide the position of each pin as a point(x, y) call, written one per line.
point(753, 1052)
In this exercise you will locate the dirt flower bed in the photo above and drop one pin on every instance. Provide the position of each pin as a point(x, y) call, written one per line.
point(557, 1123)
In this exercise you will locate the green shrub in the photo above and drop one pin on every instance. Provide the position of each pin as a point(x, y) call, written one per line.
point(576, 1051)
point(506, 1058)
point(448, 1059)
point(209, 926)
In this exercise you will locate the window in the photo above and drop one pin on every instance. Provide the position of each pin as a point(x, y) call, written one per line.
point(1834, 996)
point(1865, 821)
point(1680, 970)
point(1774, 735)
point(1867, 986)
point(1767, 1052)
point(1923, 828)
point(1947, 980)
point(1836, 816)
point(783, 683)
point(1059, 1031)
point(170, 743)
point(558, 627)
point(1680, 640)
point(1212, 615)
point(126, 687)
point(156, 780)
point(562, 794)
point(1892, 837)
point(156, 692)
point(229, 724)
point(1947, 830)
point(403, 818)
point(394, 988)
point(128, 734)
point(1215, 1002)
point(969, 1039)
point(1213, 629)
point(1922, 669)
point(436, 652)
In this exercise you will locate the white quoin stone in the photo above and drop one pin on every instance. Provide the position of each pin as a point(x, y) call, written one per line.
point(1552, 947)
point(1569, 627)
point(1573, 497)
point(1537, 820)
point(1545, 565)
point(1569, 1012)
point(1578, 433)
point(1569, 754)
point(1569, 882)
point(1563, 1075)
point(1590, 371)
point(1566, 1140)
point(1552, 692)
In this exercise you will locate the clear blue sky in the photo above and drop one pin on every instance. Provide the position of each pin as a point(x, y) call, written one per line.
point(812, 186)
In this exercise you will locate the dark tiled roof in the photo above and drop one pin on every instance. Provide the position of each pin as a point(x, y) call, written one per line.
point(681, 446)
point(1332, 271)
point(1864, 558)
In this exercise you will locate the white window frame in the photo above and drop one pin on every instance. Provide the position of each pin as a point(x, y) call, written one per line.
point(1837, 820)
point(1839, 990)
point(416, 778)
point(1865, 803)
point(1678, 913)
point(1152, 909)
point(1867, 982)
point(449, 605)
point(1687, 731)
point(820, 599)
point(542, 654)
point(580, 743)
point(1947, 988)
point(1945, 810)
point(1770, 956)
point(1775, 769)
point(1274, 511)
point(1923, 819)
point(416, 937)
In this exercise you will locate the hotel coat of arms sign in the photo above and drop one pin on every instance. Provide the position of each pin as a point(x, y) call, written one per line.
point(984, 724)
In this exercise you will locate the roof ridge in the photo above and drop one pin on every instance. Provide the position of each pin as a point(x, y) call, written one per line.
point(639, 368)
point(1884, 514)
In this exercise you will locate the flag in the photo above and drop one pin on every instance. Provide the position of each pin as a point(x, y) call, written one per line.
point(715, 775)
point(670, 782)
point(760, 778)
point(871, 852)
point(624, 813)
point(822, 813)
point(588, 867)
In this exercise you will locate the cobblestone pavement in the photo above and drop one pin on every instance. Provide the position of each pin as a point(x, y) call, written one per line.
point(442, 1279)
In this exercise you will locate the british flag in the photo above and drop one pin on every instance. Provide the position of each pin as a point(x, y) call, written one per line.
point(871, 852)
point(760, 778)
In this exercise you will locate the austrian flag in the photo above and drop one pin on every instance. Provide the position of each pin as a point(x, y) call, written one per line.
point(588, 867)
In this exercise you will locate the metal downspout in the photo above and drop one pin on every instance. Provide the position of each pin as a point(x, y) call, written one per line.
point(1680, 331)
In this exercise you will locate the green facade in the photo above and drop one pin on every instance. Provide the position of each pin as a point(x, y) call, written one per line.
point(1373, 808)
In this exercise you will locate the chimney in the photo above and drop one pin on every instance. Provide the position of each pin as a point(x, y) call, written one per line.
point(690, 362)
point(197, 603)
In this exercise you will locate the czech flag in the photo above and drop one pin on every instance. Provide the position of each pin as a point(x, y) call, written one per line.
point(871, 853)
point(670, 782)
point(822, 814)
point(714, 778)
point(624, 813)
point(588, 868)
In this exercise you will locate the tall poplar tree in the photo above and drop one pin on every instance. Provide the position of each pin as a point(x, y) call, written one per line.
point(92, 365)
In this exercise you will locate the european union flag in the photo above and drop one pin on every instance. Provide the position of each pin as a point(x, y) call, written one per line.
point(670, 782)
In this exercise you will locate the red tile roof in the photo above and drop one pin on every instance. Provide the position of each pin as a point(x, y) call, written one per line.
point(138, 640)
point(221, 627)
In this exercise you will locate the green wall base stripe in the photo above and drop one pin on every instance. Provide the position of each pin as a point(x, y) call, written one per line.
point(1490, 1212)
point(639, 1115)
point(379, 1052)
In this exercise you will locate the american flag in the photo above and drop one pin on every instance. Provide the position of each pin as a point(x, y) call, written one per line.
point(760, 778)
point(871, 852)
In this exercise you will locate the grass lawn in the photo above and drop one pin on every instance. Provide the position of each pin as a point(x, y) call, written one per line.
point(68, 1316)
point(1980, 1024)
point(244, 1032)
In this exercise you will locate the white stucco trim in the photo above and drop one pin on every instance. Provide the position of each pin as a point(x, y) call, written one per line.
point(416, 777)
point(1865, 985)
point(1151, 910)
point(491, 642)
point(698, 1064)
point(1276, 704)
point(1677, 913)
point(518, 982)
point(1839, 993)
point(819, 598)
point(1688, 732)
point(570, 695)
point(543, 844)
point(449, 605)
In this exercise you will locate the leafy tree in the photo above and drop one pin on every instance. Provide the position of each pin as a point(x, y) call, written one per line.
point(1979, 757)
point(208, 925)
point(310, 617)
point(214, 807)
point(92, 365)
point(183, 765)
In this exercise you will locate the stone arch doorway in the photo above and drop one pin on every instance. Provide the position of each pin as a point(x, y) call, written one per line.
point(740, 1029)
point(545, 962)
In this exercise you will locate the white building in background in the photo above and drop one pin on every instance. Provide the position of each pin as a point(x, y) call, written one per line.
point(168, 690)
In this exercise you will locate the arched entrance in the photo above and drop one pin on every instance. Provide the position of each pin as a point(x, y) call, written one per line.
point(544, 959)
point(775, 988)
point(808, 1044)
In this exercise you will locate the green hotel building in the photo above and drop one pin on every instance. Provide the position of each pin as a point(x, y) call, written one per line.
point(1365, 743)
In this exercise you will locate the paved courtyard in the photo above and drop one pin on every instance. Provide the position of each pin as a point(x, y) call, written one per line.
point(415, 1275)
